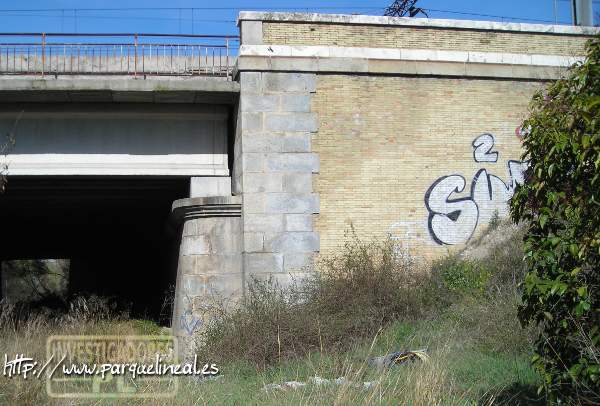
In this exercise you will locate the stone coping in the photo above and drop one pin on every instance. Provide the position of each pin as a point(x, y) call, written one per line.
point(203, 207)
point(415, 22)
point(423, 55)
point(324, 59)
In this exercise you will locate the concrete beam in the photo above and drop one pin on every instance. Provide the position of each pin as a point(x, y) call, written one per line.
point(117, 139)
point(117, 89)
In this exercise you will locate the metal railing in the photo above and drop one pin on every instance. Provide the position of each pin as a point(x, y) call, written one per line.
point(117, 54)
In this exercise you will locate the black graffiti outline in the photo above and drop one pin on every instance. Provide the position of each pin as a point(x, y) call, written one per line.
point(455, 215)
point(509, 186)
point(488, 155)
point(489, 177)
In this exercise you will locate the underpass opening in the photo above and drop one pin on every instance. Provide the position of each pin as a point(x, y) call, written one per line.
point(116, 232)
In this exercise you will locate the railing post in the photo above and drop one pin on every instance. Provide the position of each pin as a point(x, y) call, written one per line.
point(135, 45)
point(227, 59)
point(43, 52)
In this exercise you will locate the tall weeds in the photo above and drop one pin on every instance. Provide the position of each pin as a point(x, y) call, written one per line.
point(365, 287)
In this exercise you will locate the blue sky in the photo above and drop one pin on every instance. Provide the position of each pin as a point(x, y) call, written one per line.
point(72, 16)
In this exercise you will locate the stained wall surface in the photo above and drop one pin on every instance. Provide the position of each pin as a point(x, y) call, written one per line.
point(396, 151)
point(381, 36)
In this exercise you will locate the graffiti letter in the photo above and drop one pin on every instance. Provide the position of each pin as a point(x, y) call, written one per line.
point(450, 221)
point(482, 149)
point(491, 195)
point(516, 171)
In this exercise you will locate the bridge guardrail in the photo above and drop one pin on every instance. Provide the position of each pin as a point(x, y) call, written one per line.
point(117, 54)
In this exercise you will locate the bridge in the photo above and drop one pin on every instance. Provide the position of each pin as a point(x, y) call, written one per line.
point(201, 162)
point(110, 130)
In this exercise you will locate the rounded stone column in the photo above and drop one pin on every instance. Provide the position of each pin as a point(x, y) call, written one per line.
point(209, 272)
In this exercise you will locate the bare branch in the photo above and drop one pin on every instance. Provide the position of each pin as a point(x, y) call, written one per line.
point(402, 8)
point(5, 148)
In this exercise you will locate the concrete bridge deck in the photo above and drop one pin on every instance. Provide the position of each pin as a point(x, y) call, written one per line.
point(118, 89)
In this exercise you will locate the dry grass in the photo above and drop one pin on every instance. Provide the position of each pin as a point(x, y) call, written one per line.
point(364, 288)
point(368, 301)
point(422, 384)
point(24, 331)
point(459, 372)
point(368, 286)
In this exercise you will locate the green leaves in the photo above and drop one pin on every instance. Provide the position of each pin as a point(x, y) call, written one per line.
point(560, 201)
point(585, 141)
point(573, 249)
point(543, 220)
point(592, 102)
point(581, 308)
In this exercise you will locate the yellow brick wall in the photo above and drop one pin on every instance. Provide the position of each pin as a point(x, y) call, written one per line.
point(384, 141)
point(281, 33)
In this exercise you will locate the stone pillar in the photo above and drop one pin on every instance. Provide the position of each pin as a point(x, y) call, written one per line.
point(209, 272)
point(273, 170)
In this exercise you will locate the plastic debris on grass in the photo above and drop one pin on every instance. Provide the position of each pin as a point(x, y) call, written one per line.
point(318, 381)
point(398, 358)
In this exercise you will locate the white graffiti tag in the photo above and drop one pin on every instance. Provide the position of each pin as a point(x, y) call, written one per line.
point(482, 149)
point(454, 220)
point(451, 221)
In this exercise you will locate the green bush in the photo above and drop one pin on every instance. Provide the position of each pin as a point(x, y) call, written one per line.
point(560, 202)
point(463, 277)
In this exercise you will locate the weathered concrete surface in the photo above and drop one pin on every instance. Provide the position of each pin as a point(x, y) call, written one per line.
point(207, 186)
point(252, 32)
point(117, 89)
point(333, 59)
point(397, 67)
point(115, 139)
point(209, 273)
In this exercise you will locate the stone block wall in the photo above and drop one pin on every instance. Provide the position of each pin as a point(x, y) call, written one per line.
point(274, 168)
